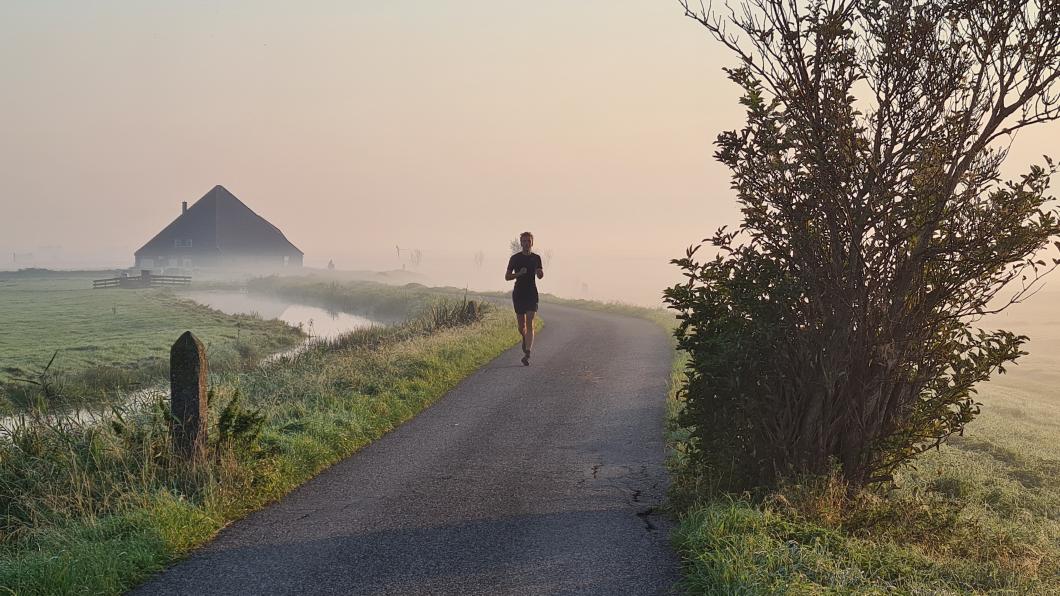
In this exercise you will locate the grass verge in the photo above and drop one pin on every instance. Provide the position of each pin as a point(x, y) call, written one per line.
point(96, 509)
point(979, 516)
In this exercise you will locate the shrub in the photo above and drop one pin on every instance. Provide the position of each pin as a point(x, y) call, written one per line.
point(836, 325)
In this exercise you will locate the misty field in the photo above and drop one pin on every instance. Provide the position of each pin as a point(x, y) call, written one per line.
point(980, 515)
point(109, 331)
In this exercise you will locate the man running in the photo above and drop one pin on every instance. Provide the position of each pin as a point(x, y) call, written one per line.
point(524, 267)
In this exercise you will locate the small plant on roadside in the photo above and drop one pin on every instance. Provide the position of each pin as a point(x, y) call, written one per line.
point(238, 428)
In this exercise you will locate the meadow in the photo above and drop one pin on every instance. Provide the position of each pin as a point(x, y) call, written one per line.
point(981, 515)
point(102, 339)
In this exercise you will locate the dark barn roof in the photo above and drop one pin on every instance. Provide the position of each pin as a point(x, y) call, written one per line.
point(221, 223)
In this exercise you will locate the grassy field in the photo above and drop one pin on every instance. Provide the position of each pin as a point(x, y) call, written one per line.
point(95, 509)
point(116, 335)
point(979, 516)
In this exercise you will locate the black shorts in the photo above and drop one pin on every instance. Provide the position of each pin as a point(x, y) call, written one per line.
point(524, 305)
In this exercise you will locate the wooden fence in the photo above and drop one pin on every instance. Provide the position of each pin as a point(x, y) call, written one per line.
point(146, 280)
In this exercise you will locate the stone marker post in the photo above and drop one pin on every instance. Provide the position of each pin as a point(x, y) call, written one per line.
point(187, 382)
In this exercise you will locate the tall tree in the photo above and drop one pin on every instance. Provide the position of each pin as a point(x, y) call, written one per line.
point(838, 324)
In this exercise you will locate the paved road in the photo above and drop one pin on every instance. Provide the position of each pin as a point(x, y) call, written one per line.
point(539, 480)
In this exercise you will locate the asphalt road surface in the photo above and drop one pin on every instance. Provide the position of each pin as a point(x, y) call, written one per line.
point(522, 480)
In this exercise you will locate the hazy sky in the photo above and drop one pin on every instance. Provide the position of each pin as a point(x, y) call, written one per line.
point(358, 126)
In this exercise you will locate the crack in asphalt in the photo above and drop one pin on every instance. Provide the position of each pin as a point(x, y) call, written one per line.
point(643, 515)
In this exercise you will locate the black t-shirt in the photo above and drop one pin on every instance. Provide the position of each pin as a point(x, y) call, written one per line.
point(526, 284)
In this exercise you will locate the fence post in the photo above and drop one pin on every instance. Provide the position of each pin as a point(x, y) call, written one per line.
point(187, 381)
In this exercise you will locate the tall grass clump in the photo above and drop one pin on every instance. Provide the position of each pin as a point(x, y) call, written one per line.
point(813, 537)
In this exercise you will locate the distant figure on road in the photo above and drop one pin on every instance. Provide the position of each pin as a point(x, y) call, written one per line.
point(524, 267)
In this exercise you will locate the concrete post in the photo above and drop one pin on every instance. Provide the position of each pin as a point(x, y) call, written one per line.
point(187, 381)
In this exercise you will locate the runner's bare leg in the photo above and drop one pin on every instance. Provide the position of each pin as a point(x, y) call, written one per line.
point(528, 335)
point(521, 318)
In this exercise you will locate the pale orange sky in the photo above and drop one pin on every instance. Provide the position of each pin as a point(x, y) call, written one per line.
point(448, 127)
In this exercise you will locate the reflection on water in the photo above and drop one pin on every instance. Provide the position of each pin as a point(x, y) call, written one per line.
point(125, 402)
point(318, 322)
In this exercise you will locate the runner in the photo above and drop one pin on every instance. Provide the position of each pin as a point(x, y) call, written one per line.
point(524, 267)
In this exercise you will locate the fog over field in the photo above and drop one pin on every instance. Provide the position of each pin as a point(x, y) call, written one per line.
point(1039, 319)
point(357, 128)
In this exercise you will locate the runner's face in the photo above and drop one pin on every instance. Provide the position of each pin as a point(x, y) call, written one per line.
point(527, 242)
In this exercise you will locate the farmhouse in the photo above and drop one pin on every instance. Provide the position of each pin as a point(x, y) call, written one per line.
point(218, 232)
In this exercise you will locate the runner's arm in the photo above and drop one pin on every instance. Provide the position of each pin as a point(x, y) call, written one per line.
point(509, 273)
